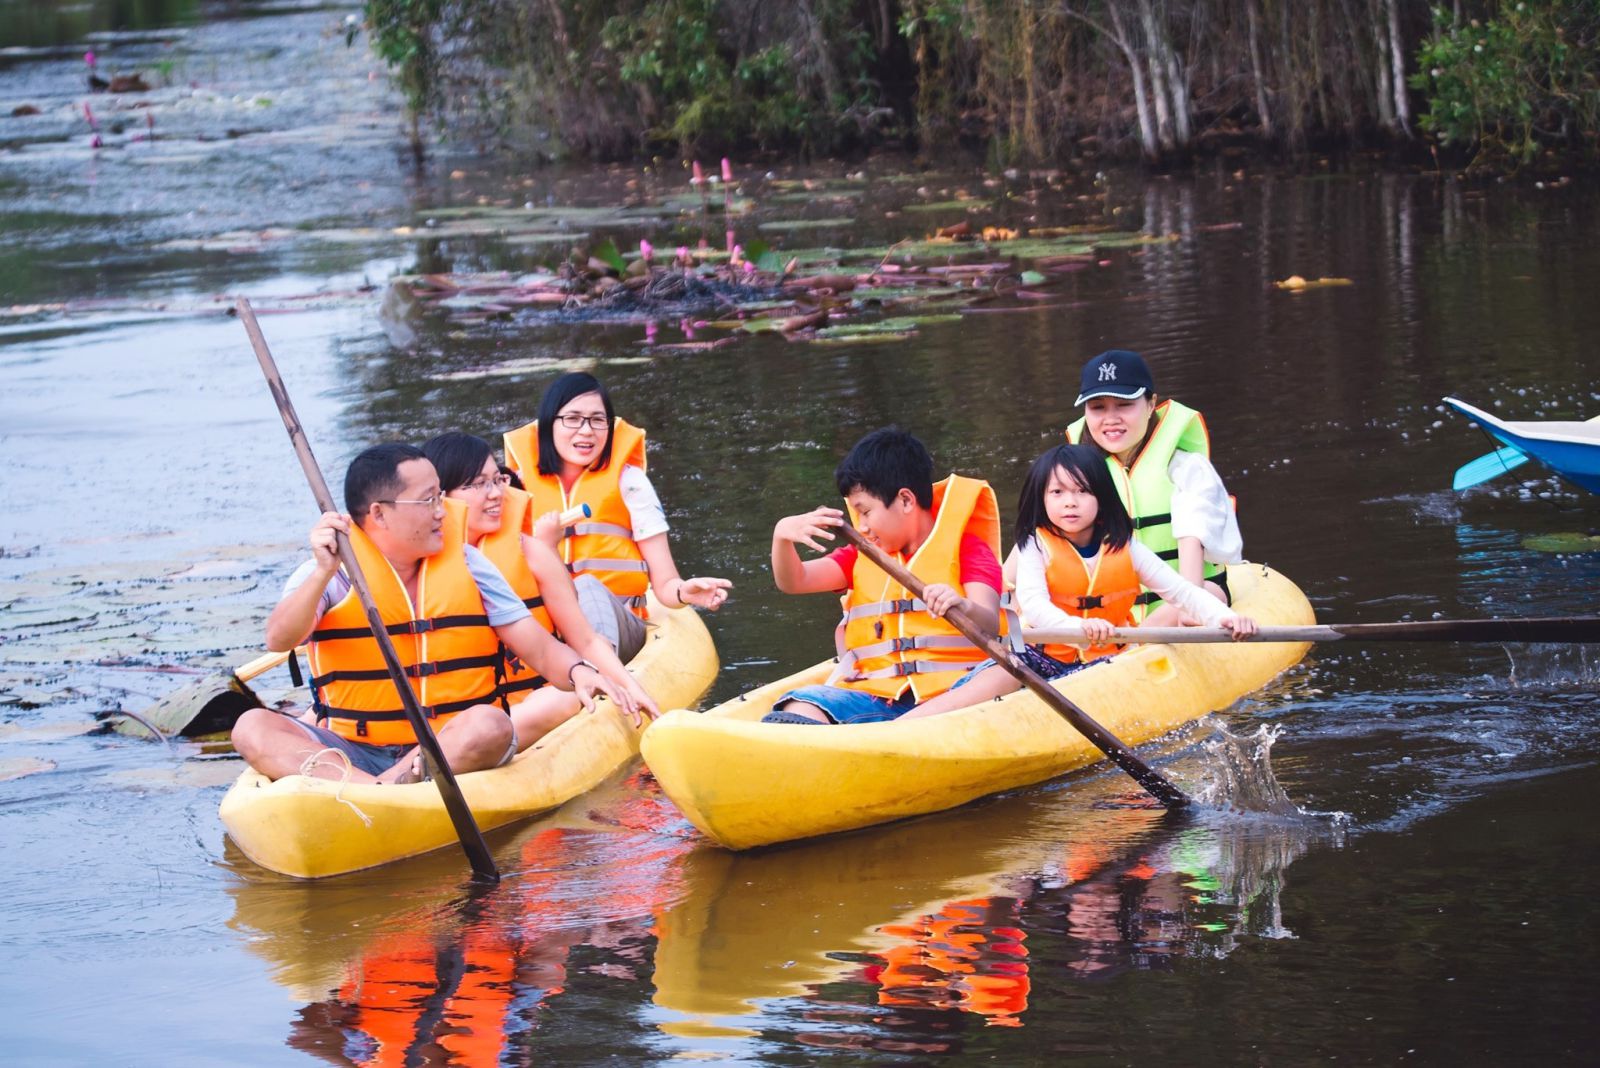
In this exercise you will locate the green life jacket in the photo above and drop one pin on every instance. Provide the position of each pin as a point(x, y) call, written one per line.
point(1146, 489)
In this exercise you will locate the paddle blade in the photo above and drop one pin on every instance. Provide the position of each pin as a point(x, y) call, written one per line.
point(1487, 466)
point(210, 705)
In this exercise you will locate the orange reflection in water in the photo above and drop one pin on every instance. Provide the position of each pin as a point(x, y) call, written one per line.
point(456, 991)
point(969, 955)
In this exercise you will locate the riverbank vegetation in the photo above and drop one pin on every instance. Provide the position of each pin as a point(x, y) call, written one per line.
point(1494, 83)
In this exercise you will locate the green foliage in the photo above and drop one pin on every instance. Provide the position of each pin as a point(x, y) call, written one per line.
point(403, 36)
point(1509, 85)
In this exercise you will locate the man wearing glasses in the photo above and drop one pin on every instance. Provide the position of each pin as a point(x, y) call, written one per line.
point(447, 610)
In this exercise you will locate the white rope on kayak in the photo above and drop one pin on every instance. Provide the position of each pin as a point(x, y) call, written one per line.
point(311, 762)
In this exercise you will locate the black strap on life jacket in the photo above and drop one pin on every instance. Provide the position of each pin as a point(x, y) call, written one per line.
point(426, 669)
point(410, 626)
point(391, 715)
point(1140, 522)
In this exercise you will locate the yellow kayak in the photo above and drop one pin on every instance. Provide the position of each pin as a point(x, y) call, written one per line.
point(311, 828)
point(745, 783)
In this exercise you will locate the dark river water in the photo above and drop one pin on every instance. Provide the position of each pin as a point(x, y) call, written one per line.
point(1434, 903)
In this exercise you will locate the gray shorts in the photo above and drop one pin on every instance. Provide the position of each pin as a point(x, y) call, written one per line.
point(610, 616)
point(374, 759)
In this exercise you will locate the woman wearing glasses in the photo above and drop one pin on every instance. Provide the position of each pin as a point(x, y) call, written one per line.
point(498, 520)
point(578, 452)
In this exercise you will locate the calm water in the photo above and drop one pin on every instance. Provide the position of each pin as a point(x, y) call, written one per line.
point(153, 507)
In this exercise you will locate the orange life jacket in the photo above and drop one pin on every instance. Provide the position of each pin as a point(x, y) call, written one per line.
point(413, 994)
point(1107, 592)
point(891, 641)
point(445, 644)
point(601, 545)
point(504, 550)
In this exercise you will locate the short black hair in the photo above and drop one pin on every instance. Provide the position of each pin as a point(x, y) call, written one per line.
point(885, 462)
point(457, 457)
point(557, 396)
point(1087, 466)
point(374, 475)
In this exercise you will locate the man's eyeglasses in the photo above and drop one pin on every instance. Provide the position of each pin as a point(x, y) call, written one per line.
point(435, 501)
point(481, 485)
point(574, 421)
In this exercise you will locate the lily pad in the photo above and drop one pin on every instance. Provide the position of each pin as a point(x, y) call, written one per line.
point(1565, 542)
point(805, 224)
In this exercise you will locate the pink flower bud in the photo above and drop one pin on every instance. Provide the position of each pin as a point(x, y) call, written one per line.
point(727, 170)
point(699, 175)
point(646, 250)
point(88, 57)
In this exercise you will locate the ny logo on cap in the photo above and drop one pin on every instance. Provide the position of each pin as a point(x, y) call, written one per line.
point(1108, 372)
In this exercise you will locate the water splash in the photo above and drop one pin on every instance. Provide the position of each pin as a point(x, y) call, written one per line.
point(1240, 780)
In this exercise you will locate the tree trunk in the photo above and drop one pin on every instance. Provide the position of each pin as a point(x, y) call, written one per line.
point(1383, 97)
point(1154, 42)
point(1148, 137)
point(1397, 54)
point(1254, 17)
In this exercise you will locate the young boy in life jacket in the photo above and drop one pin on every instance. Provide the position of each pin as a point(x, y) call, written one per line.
point(447, 610)
point(899, 651)
point(1158, 452)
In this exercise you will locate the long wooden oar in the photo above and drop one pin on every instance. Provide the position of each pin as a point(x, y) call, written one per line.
point(208, 705)
point(472, 842)
point(1554, 630)
point(1120, 755)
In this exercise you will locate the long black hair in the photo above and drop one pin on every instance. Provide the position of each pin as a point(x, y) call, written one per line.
point(457, 457)
point(557, 396)
point(1086, 465)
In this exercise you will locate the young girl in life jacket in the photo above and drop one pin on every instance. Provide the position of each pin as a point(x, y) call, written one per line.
point(1158, 453)
point(499, 520)
point(1079, 569)
point(578, 452)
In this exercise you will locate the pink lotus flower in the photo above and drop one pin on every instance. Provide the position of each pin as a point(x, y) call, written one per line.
point(646, 250)
point(727, 170)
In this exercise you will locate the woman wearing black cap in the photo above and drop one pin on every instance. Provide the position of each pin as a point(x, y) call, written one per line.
point(1158, 452)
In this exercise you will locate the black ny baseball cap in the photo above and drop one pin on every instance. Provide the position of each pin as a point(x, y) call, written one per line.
point(1115, 373)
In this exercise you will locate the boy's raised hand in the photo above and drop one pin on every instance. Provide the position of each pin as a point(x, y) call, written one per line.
point(806, 529)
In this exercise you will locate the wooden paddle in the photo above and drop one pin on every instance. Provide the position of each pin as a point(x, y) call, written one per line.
point(209, 705)
point(466, 827)
point(1158, 786)
point(1569, 630)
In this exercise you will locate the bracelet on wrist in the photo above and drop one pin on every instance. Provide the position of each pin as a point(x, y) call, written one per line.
point(573, 670)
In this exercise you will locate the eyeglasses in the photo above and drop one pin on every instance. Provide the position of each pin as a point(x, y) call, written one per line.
point(481, 485)
point(574, 421)
point(435, 501)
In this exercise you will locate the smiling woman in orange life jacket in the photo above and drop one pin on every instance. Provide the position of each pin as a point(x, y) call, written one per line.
point(578, 452)
point(499, 520)
point(447, 610)
point(1158, 453)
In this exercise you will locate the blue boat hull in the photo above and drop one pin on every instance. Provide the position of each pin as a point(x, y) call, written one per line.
point(1576, 461)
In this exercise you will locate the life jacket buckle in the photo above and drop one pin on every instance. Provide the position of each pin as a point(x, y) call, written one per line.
point(419, 626)
point(1089, 601)
point(900, 645)
point(422, 671)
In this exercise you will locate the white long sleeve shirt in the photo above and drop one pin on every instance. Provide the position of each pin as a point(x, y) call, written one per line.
point(1039, 612)
point(1201, 509)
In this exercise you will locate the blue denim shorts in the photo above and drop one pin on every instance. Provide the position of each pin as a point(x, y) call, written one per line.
point(851, 706)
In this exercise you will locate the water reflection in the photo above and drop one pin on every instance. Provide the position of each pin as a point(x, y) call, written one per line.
point(963, 917)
